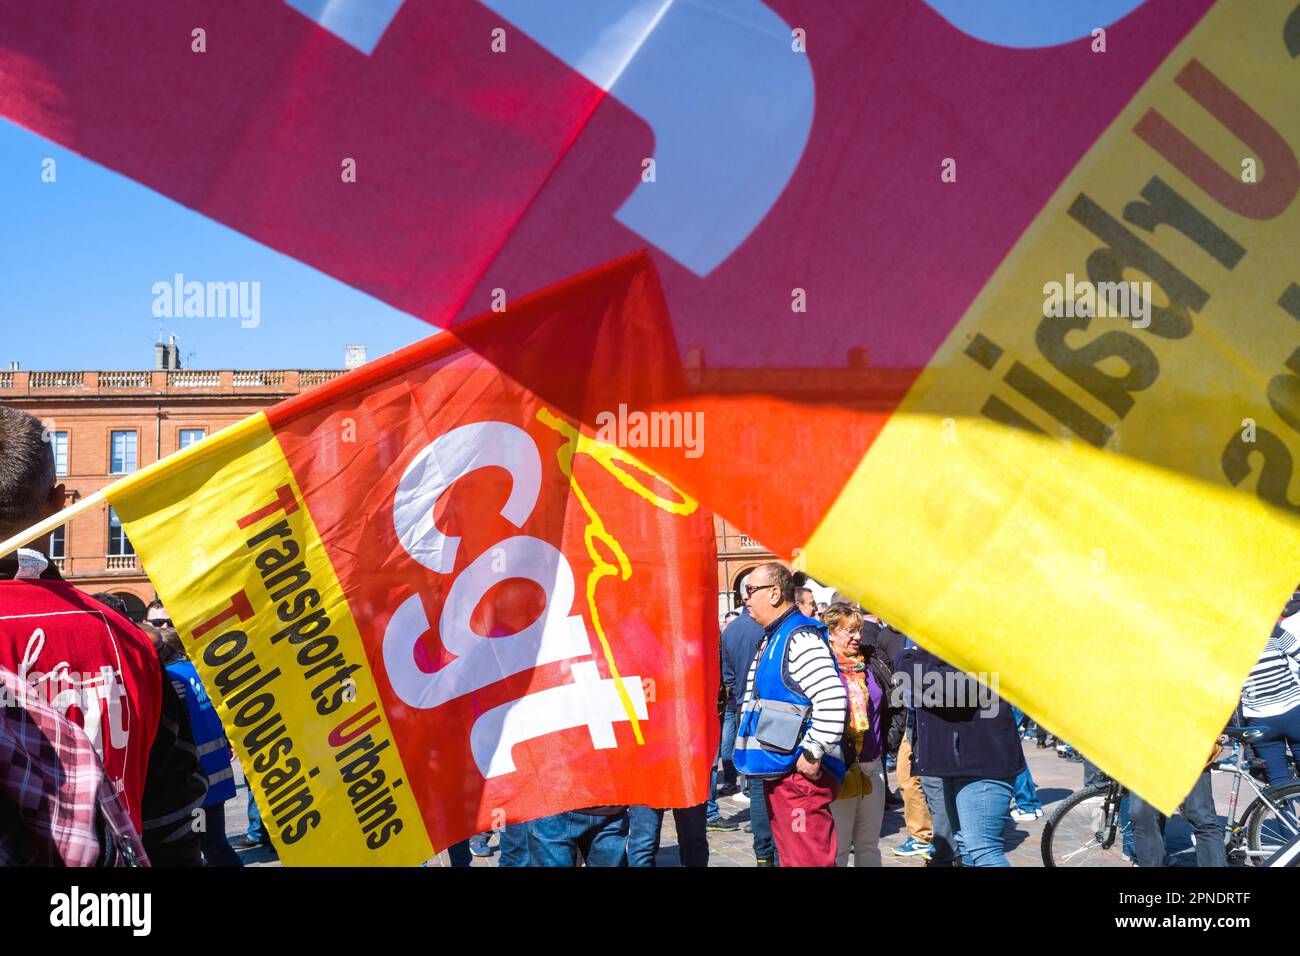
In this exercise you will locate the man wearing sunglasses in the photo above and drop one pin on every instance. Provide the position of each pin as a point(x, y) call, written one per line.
point(156, 616)
point(792, 721)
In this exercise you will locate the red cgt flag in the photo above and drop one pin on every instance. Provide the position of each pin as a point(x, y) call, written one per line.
point(427, 605)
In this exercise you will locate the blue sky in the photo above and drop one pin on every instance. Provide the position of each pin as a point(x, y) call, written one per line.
point(80, 257)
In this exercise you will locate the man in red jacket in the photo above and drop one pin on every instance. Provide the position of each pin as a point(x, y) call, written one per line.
point(90, 663)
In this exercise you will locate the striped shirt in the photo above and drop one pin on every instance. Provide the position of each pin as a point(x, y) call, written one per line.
point(1273, 686)
point(812, 669)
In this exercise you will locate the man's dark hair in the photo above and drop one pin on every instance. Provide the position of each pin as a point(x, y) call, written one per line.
point(154, 605)
point(781, 577)
point(800, 592)
point(26, 469)
point(112, 601)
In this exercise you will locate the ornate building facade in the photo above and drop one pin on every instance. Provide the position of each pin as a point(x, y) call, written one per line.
point(106, 424)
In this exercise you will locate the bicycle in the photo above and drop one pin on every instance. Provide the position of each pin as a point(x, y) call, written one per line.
point(1091, 828)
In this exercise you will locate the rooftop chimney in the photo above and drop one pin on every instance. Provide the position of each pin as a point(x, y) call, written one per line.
point(171, 354)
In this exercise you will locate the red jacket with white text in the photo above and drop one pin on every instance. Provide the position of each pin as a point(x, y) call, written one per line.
point(90, 664)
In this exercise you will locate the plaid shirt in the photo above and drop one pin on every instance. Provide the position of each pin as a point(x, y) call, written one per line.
point(57, 806)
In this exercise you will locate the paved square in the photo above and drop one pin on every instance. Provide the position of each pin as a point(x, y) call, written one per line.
point(1055, 777)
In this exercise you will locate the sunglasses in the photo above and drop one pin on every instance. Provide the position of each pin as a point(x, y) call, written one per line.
point(159, 621)
point(752, 589)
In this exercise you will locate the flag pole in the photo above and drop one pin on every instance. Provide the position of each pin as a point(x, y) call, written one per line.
point(162, 467)
point(56, 520)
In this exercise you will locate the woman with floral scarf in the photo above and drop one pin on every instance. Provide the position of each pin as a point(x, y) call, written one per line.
point(860, 806)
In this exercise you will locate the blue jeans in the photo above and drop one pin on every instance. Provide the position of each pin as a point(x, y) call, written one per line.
point(764, 848)
point(561, 839)
point(1026, 792)
point(945, 840)
point(513, 845)
point(644, 825)
point(256, 829)
point(981, 807)
point(1092, 774)
point(726, 750)
point(1198, 809)
point(1283, 732)
point(1126, 826)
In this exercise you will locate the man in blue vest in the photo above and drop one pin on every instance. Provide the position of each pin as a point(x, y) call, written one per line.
point(792, 721)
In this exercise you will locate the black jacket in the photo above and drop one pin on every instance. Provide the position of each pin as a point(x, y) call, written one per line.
point(893, 718)
point(954, 736)
point(174, 787)
point(890, 641)
point(740, 642)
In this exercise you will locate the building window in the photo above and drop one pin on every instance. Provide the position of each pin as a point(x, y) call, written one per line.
point(59, 543)
point(118, 543)
point(60, 442)
point(121, 459)
point(190, 436)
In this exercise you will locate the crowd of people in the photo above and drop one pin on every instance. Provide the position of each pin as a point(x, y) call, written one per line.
point(815, 711)
point(817, 705)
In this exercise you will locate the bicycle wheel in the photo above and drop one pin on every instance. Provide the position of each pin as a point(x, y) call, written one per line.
point(1085, 830)
point(1273, 827)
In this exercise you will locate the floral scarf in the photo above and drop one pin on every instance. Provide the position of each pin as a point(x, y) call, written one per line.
point(854, 670)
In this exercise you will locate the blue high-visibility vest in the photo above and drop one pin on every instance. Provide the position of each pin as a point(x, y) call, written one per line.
point(209, 735)
point(772, 683)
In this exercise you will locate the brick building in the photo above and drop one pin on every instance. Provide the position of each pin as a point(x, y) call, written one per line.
point(105, 424)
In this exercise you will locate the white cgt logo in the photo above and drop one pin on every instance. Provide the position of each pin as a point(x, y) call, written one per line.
point(480, 661)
